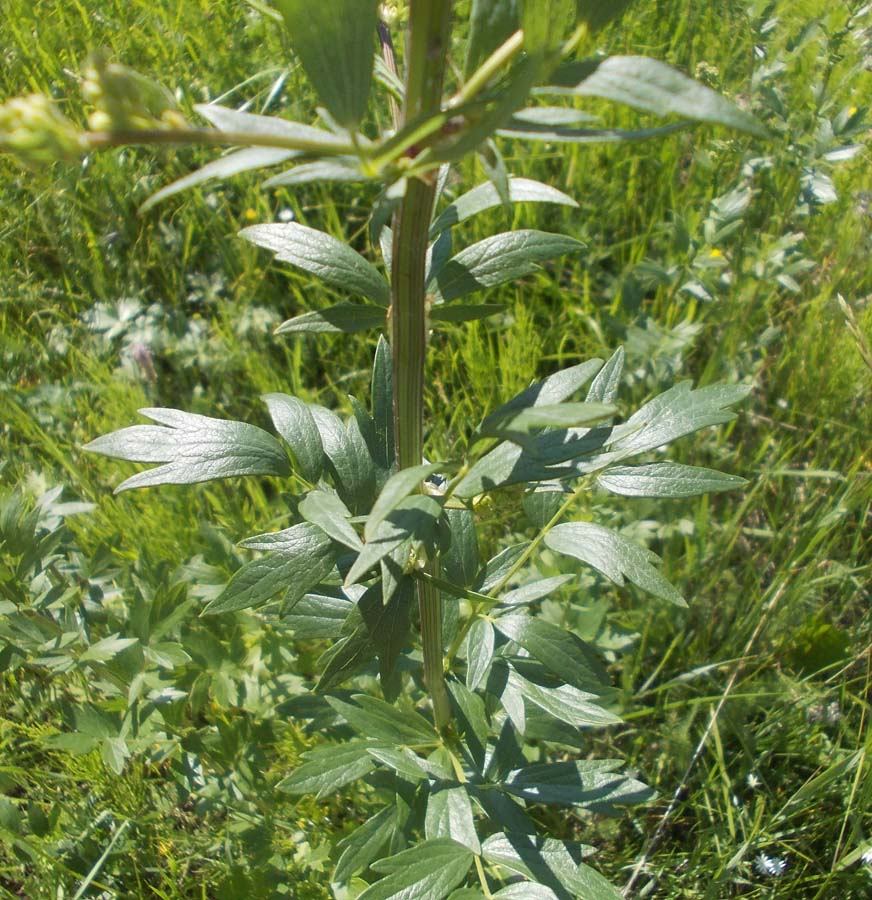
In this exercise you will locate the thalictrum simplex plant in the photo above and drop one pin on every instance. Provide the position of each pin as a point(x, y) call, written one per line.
point(482, 709)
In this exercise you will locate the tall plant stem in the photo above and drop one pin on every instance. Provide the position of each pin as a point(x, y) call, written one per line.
point(428, 38)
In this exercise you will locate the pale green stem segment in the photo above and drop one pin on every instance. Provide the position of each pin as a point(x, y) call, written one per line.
point(489, 68)
point(99, 140)
point(428, 38)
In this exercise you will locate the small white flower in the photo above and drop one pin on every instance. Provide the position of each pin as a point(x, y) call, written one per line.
point(867, 856)
point(753, 781)
point(771, 866)
point(286, 215)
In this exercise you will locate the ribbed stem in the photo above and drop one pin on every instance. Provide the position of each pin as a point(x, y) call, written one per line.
point(408, 320)
point(428, 36)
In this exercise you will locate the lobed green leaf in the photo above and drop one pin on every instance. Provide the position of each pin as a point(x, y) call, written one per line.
point(322, 255)
point(364, 844)
point(294, 422)
point(331, 515)
point(559, 650)
point(192, 448)
point(498, 259)
point(415, 518)
point(298, 558)
point(382, 721)
point(428, 871)
point(614, 555)
point(327, 769)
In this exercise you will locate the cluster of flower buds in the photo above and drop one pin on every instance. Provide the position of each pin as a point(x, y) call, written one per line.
point(393, 12)
point(36, 132)
point(126, 100)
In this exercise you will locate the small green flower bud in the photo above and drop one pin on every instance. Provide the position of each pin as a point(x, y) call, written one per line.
point(35, 131)
point(126, 100)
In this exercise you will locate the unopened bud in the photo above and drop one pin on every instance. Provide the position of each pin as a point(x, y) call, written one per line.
point(35, 131)
point(125, 99)
point(393, 12)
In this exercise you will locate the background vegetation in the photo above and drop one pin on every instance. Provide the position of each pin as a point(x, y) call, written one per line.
point(708, 256)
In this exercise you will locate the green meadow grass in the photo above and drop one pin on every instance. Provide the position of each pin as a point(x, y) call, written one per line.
point(752, 706)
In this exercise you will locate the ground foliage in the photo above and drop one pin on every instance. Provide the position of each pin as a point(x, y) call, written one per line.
point(142, 755)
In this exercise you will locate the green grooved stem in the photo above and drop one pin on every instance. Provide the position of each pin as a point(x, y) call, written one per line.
point(428, 38)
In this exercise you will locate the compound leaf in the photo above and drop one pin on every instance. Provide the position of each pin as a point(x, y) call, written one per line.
point(676, 413)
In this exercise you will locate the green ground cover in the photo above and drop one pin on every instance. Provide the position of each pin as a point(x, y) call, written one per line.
point(709, 256)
